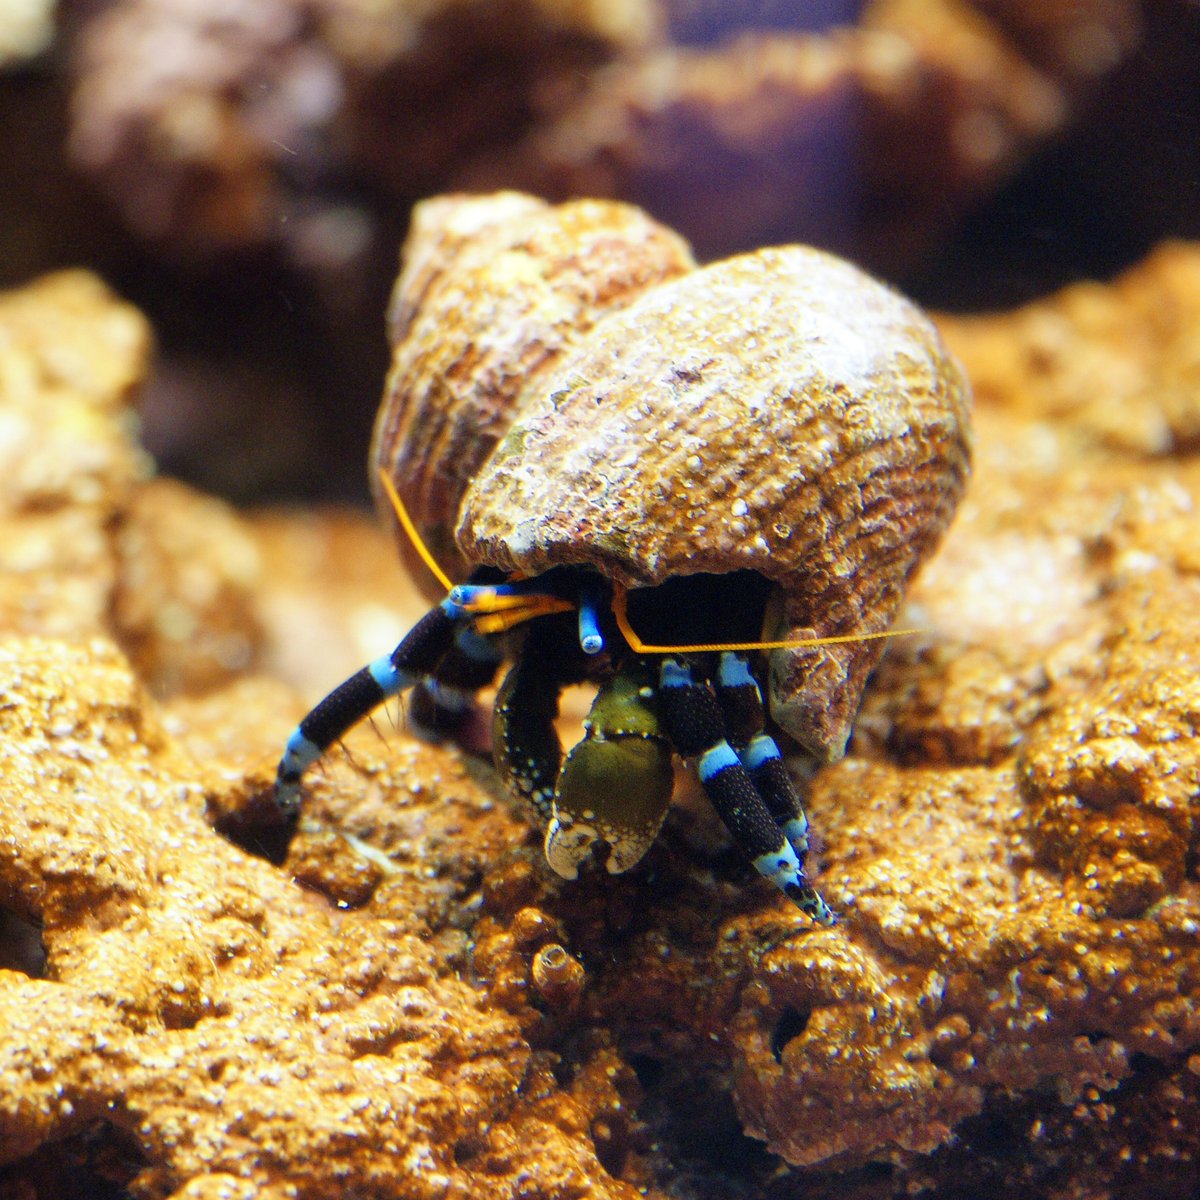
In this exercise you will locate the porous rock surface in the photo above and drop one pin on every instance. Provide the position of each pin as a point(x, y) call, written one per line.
point(1009, 1001)
point(243, 1035)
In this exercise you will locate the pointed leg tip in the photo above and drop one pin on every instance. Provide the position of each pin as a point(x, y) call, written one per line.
point(811, 904)
point(287, 799)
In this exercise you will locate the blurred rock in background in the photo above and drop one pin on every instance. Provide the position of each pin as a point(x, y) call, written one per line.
point(244, 170)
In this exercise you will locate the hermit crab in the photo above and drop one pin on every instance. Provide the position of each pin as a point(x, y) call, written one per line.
point(689, 486)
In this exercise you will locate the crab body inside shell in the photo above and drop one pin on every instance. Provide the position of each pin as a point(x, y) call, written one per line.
point(614, 787)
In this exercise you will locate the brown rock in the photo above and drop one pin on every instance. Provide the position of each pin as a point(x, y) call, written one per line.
point(1008, 1004)
point(201, 1002)
point(1015, 886)
point(869, 139)
point(273, 125)
point(217, 131)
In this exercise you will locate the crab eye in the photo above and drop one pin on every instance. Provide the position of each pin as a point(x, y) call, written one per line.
point(591, 640)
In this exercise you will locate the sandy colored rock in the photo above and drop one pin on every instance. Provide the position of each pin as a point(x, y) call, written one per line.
point(1007, 1005)
point(203, 1002)
point(71, 357)
point(1119, 364)
point(89, 543)
point(175, 999)
point(185, 607)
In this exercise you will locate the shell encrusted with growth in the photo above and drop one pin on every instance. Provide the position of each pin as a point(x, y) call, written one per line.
point(567, 388)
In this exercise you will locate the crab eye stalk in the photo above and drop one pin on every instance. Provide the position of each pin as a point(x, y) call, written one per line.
point(591, 640)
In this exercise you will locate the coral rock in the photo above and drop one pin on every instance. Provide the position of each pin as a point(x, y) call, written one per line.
point(911, 115)
point(1008, 1004)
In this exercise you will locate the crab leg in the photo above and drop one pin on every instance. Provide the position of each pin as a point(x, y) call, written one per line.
point(525, 743)
point(742, 707)
point(693, 719)
point(419, 654)
point(442, 703)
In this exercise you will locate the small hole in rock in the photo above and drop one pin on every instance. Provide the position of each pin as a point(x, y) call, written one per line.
point(468, 1147)
point(649, 1070)
point(791, 1024)
point(21, 946)
point(878, 1171)
point(266, 841)
point(97, 1164)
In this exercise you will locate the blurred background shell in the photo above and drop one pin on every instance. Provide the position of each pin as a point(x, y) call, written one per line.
point(244, 172)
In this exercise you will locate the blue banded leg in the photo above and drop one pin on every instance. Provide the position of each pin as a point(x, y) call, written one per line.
point(437, 712)
point(442, 705)
point(742, 707)
point(762, 760)
point(739, 698)
point(418, 654)
point(694, 722)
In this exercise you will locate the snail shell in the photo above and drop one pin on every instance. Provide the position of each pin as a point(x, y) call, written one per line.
point(558, 976)
point(493, 290)
point(780, 412)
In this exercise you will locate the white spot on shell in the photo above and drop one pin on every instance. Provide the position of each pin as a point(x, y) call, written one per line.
point(522, 539)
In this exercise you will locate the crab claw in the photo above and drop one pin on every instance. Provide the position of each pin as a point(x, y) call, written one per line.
point(615, 785)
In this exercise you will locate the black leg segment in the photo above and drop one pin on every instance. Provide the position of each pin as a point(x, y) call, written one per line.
point(693, 719)
point(418, 654)
point(742, 707)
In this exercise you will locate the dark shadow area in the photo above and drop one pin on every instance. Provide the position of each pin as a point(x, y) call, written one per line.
point(21, 947)
point(263, 840)
point(98, 1164)
point(690, 1112)
point(791, 1024)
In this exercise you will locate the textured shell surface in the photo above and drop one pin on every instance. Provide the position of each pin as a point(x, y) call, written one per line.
point(780, 412)
point(493, 291)
point(764, 413)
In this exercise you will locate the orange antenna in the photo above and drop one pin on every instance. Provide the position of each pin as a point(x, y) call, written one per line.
point(492, 614)
point(534, 606)
point(497, 613)
point(621, 613)
point(410, 529)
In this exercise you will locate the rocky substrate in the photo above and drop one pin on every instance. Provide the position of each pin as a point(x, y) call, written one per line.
point(402, 1001)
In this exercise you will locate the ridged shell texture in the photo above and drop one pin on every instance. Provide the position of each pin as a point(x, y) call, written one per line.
point(568, 388)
